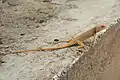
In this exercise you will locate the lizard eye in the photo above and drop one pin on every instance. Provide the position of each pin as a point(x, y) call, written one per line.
point(103, 26)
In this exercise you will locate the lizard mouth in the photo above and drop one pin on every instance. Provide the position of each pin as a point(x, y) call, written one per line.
point(101, 27)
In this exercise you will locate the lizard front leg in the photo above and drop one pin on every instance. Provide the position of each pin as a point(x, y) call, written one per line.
point(80, 43)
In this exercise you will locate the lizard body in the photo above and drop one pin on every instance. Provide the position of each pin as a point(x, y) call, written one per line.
point(76, 40)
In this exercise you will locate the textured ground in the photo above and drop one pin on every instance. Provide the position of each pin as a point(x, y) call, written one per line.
point(27, 24)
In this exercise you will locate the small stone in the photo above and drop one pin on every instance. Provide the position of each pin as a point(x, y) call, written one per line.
point(37, 26)
point(2, 24)
point(47, 0)
point(56, 40)
point(22, 34)
point(2, 61)
point(3, 1)
point(1, 42)
point(41, 21)
point(6, 46)
point(12, 4)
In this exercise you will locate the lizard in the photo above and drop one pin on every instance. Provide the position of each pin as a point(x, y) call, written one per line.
point(75, 40)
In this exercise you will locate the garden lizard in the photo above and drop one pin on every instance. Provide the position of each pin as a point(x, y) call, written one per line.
point(76, 40)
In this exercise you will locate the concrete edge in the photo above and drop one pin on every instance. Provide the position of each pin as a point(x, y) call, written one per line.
point(64, 74)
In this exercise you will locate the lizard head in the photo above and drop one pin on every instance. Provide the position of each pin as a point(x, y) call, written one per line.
point(100, 27)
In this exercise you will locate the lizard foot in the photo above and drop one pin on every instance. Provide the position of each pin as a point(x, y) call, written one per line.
point(79, 47)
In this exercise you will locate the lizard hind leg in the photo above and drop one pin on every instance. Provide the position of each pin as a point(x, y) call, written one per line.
point(80, 43)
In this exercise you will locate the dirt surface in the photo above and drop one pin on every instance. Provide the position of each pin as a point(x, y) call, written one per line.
point(27, 24)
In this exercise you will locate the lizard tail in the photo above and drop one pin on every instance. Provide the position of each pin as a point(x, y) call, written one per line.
point(24, 51)
point(42, 49)
point(48, 49)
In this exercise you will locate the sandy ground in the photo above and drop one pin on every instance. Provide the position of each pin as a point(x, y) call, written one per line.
point(27, 24)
